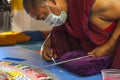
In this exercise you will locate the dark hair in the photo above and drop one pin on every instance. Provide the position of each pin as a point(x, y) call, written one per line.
point(33, 4)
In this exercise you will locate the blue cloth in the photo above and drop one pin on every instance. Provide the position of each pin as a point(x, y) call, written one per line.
point(35, 35)
point(34, 59)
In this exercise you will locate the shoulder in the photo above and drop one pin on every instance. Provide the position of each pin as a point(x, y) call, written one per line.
point(101, 5)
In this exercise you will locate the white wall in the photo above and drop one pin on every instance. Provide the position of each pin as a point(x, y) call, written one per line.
point(23, 22)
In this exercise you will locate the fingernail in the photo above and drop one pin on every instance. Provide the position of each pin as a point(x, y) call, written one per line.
point(51, 50)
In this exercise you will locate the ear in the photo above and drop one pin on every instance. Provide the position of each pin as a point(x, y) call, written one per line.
point(51, 1)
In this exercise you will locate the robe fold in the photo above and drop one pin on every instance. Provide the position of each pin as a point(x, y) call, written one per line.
point(116, 58)
point(78, 36)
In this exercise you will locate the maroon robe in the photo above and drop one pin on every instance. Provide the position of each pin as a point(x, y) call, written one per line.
point(116, 59)
point(78, 36)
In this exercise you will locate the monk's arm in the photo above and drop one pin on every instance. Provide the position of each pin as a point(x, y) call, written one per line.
point(113, 39)
point(107, 48)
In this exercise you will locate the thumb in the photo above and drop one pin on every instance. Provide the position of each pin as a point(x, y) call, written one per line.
point(91, 54)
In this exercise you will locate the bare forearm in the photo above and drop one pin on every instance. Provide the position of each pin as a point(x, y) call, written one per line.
point(113, 39)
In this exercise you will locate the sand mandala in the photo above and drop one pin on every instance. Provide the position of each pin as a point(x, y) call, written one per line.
point(16, 71)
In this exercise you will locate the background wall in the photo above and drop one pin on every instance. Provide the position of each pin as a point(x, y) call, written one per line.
point(22, 22)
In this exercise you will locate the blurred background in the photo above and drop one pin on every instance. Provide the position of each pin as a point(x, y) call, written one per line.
point(5, 19)
point(14, 18)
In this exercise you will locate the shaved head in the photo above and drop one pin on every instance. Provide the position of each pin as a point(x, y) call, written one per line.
point(27, 4)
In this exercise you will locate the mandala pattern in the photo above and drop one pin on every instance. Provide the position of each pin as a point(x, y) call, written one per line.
point(16, 71)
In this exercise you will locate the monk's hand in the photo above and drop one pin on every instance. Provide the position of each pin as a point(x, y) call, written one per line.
point(102, 50)
point(47, 53)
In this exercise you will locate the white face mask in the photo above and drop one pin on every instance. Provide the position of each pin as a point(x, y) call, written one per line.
point(55, 20)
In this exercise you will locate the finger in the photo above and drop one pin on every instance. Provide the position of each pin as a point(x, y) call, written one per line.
point(92, 54)
point(52, 53)
point(51, 50)
point(46, 57)
point(55, 56)
point(47, 52)
point(49, 55)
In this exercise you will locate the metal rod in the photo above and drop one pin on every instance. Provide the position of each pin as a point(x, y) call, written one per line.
point(66, 61)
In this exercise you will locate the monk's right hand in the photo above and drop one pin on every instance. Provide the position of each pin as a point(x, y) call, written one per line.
point(46, 50)
point(46, 53)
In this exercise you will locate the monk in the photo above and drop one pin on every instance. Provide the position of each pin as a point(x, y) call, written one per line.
point(80, 28)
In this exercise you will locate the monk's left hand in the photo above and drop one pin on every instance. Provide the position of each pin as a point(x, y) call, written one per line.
point(102, 50)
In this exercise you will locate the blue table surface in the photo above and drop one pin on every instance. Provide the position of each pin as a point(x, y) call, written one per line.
point(26, 56)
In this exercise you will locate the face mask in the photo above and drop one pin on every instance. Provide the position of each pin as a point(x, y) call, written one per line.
point(55, 20)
